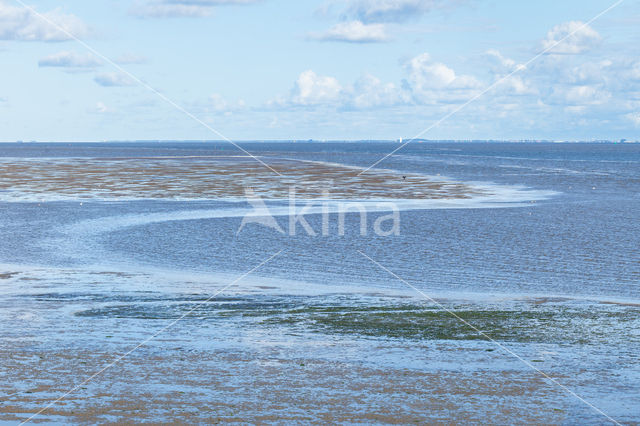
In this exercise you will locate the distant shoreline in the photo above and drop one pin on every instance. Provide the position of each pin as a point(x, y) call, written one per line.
point(404, 141)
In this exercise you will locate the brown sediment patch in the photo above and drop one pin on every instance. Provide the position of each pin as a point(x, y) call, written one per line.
point(120, 274)
point(227, 386)
point(7, 275)
point(213, 177)
point(543, 300)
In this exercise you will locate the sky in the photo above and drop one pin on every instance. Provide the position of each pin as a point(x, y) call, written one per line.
point(78, 70)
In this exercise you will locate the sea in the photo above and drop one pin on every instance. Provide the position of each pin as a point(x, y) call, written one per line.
point(276, 282)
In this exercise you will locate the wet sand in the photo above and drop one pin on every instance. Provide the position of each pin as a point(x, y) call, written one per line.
point(256, 355)
point(175, 386)
point(212, 177)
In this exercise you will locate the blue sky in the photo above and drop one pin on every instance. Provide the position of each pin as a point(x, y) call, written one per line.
point(323, 69)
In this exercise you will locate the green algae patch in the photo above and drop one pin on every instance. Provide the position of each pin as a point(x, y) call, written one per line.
point(429, 324)
point(559, 324)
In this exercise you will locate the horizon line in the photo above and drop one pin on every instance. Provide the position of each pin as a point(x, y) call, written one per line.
point(311, 140)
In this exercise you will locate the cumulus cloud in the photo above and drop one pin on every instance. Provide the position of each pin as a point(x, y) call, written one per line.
point(70, 60)
point(559, 88)
point(501, 63)
point(434, 82)
point(579, 96)
point(393, 10)
point(313, 89)
point(428, 82)
point(218, 104)
point(570, 38)
point(589, 72)
point(365, 21)
point(113, 79)
point(354, 32)
point(370, 92)
point(515, 85)
point(582, 95)
point(21, 23)
point(426, 74)
point(504, 71)
point(179, 8)
point(504, 63)
point(634, 117)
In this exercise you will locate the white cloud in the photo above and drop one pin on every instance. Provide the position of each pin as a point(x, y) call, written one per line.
point(635, 71)
point(162, 10)
point(364, 21)
point(113, 79)
point(580, 95)
point(515, 85)
point(428, 82)
point(370, 92)
point(393, 10)
point(354, 32)
point(504, 70)
point(70, 60)
point(583, 95)
point(552, 94)
point(425, 74)
point(313, 89)
point(589, 72)
point(179, 8)
point(503, 64)
point(434, 82)
point(570, 38)
point(20, 23)
point(218, 104)
point(634, 117)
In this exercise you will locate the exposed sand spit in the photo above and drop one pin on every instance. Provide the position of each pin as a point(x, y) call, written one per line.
point(213, 177)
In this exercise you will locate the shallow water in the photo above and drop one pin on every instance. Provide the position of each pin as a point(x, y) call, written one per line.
point(534, 271)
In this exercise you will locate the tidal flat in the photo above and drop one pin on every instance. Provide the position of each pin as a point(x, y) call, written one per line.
point(131, 292)
point(262, 354)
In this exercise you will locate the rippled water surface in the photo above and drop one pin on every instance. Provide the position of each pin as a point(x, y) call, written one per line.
point(509, 294)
